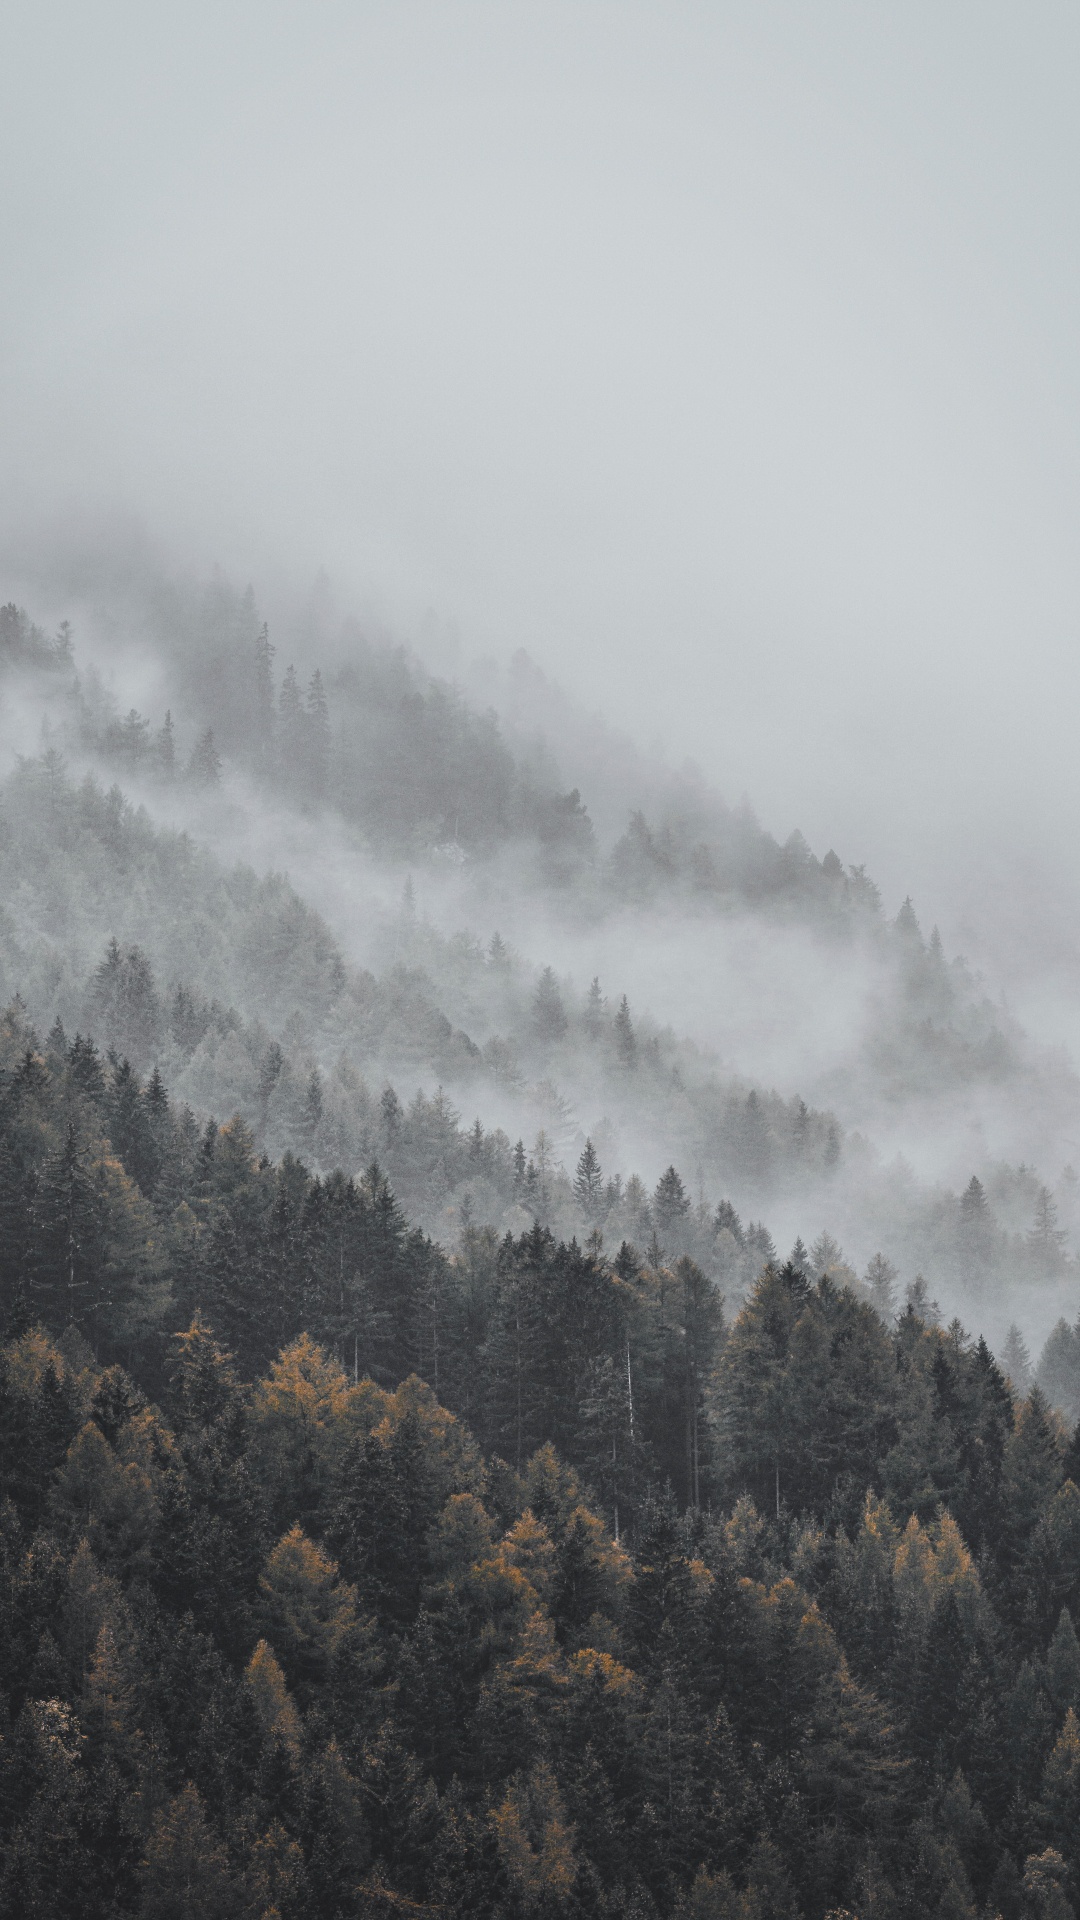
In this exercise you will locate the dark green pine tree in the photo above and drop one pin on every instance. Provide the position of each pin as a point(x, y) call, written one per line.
point(293, 1230)
point(18, 1242)
point(86, 1071)
point(39, 1418)
point(131, 1131)
point(670, 1206)
point(555, 1314)
point(386, 1510)
point(391, 1264)
point(234, 1266)
point(68, 1279)
point(703, 1333)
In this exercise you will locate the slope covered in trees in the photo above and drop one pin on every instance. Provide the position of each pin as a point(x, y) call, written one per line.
point(237, 994)
point(403, 1513)
point(344, 1578)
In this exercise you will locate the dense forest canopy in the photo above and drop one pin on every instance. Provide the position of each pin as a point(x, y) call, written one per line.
point(429, 1483)
point(343, 1577)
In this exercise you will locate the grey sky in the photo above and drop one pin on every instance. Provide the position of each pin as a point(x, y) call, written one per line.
point(723, 356)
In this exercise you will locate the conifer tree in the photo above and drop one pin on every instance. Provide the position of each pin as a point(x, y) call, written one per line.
point(589, 1182)
point(625, 1038)
point(594, 1009)
point(165, 748)
point(204, 767)
point(318, 737)
point(880, 1279)
point(549, 1015)
point(670, 1206)
point(264, 700)
point(1016, 1360)
point(291, 730)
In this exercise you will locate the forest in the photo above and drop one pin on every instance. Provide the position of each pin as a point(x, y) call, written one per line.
point(409, 1507)
point(345, 1577)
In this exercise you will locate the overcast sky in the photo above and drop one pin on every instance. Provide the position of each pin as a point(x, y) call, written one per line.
point(725, 357)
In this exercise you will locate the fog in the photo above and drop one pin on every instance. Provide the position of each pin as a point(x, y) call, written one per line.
point(720, 358)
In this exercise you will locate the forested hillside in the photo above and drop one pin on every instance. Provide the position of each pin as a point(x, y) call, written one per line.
point(238, 996)
point(344, 1577)
point(428, 1485)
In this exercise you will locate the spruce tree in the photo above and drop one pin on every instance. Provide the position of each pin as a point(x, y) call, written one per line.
point(204, 766)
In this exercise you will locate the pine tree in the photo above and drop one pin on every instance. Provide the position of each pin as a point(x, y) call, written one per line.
point(1016, 1360)
point(549, 1015)
point(625, 1039)
point(880, 1278)
point(204, 767)
point(123, 1004)
point(825, 1253)
point(132, 738)
point(318, 737)
point(727, 1221)
point(589, 1182)
point(670, 1208)
point(69, 1276)
point(185, 1874)
point(264, 700)
point(918, 1299)
point(130, 1128)
point(1058, 1372)
point(291, 731)
point(1046, 1239)
point(84, 1066)
point(907, 926)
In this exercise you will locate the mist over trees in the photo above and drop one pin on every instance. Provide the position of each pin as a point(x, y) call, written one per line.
point(340, 1572)
point(431, 1484)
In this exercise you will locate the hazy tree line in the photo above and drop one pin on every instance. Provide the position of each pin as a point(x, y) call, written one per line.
point(402, 754)
point(405, 757)
point(259, 1014)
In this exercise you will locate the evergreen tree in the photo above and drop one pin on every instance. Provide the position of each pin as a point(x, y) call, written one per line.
point(670, 1206)
point(165, 748)
point(204, 767)
point(1016, 1360)
point(880, 1278)
point(589, 1182)
point(1046, 1238)
point(131, 1128)
point(124, 1008)
point(69, 1277)
point(292, 731)
point(318, 737)
point(625, 1038)
point(549, 1015)
point(264, 700)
